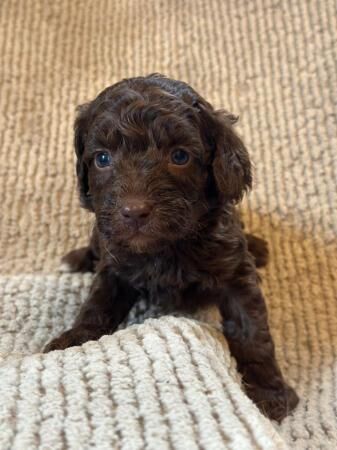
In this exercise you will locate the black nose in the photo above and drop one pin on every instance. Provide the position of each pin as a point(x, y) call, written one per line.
point(136, 212)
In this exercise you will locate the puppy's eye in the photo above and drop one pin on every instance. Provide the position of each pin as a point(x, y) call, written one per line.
point(103, 159)
point(180, 157)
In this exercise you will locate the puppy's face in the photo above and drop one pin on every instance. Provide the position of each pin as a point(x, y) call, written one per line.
point(147, 165)
point(147, 171)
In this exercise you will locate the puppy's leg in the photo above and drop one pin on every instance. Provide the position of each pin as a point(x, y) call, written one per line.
point(245, 325)
point(79, 260)
point(109, 302)
point(259, 249)
point(83, 259)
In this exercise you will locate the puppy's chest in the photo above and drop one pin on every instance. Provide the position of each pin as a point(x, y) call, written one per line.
point(167, 275)
point(154, 273)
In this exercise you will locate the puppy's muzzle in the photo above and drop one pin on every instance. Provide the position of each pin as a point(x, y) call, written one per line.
point(136, 212)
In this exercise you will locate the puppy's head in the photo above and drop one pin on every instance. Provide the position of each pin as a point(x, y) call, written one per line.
point(154, 159)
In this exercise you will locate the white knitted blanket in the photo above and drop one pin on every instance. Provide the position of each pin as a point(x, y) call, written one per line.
point(167, 383)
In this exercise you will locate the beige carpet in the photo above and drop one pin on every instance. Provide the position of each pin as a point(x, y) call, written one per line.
point(272, 62)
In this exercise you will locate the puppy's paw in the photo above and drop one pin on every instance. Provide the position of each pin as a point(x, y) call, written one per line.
point(273, 403)
point(70, 338)
point(259, 249)
point(79, 260)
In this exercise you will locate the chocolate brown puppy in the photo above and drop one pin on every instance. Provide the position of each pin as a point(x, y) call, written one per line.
point(162, 171)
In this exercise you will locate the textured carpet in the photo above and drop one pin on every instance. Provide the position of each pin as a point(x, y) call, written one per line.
point(272, 62)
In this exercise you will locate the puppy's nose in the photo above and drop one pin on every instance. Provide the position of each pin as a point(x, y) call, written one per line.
point(136, 212)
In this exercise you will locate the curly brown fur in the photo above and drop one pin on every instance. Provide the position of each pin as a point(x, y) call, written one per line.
point(169, 230)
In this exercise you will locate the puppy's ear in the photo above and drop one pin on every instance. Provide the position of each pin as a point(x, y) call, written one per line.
point(230, 161)
point(231, 164)
point(80, 128)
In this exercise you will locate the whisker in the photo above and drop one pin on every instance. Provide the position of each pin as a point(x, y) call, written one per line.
point(113, 257)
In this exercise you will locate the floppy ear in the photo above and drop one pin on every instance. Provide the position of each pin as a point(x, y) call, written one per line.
point(231, 165)
point(80, 129)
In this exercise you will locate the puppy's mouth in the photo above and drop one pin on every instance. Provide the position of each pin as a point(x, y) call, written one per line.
point(148, 237)
point(140, 241)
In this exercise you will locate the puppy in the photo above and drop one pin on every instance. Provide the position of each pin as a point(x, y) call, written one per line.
point(163, 170)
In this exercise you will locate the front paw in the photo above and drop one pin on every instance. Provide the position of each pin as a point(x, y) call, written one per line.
point(273, 403)
point(70, 338)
